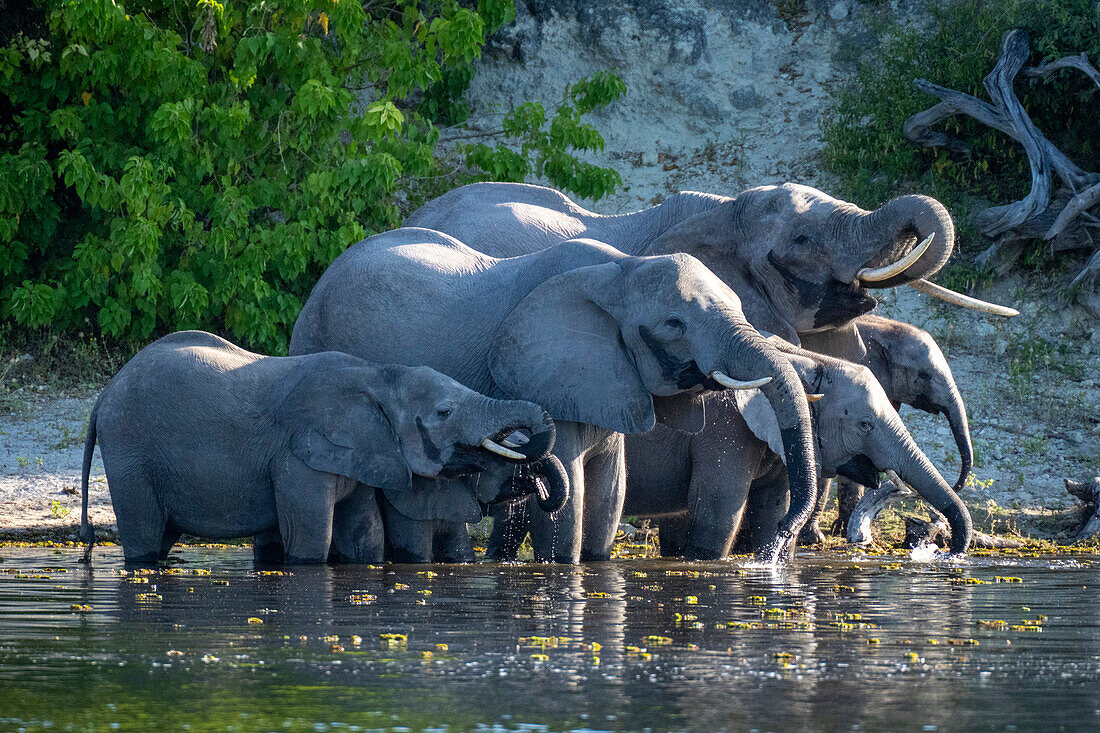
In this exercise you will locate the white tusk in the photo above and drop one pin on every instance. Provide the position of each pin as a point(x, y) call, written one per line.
point(813, 396)
point(727, 381)
point(515, 440)
point(877, 274)
point(500, 450)
point(938, 291)
point(902, 486)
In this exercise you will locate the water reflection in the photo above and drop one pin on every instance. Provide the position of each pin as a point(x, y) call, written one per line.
point(824, 644)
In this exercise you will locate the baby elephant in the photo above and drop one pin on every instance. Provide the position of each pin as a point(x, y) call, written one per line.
point(201, 437)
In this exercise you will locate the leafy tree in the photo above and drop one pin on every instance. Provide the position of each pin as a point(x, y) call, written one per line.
point(171, 164)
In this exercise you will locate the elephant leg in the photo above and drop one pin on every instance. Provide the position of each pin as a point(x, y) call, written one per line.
point(605, 482)
point(140, 519)
point(171, 537)
point(718, 492)
point(267, 547)
point(304, 502)
point(407, 540)
point(357, 532)
point(453, 543)
point(767, 505)
point(511, 522)
point(672, 532)
point(558, 539)
point(811, 533)
point(848, 494)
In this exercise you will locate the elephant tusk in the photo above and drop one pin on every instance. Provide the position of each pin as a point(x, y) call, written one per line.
point(813, 396)
point(878, 274)
point(727, 381)
point(515, 440)
point(500, 450)
point(938, 291)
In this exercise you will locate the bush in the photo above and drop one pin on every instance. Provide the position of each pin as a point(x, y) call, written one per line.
point(200, 164)
point(867, 153)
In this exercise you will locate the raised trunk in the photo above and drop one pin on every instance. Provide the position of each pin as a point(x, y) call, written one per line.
point(553, 490)
point(886, 234)
point(914, 468)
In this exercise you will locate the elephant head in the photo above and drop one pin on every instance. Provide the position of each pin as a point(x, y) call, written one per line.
point(401, 429)
point(805, 261)
point(860, 434)
point(596, 344)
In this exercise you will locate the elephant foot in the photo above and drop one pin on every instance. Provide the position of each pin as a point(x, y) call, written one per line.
point(811, 534)
point(702, 553)
point(588, 556)
point(295, 560)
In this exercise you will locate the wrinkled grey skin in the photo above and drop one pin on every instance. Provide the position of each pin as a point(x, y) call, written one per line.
point(790, 252)
point(582, 329)
point(912, 370)
point(727, 471)
point(201, 437)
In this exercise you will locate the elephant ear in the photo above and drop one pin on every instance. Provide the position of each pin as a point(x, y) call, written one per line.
point(434, 498)
point(558, 348)
point(337, 426)
point(760, 417)
point(685, 411)
point(842, 342)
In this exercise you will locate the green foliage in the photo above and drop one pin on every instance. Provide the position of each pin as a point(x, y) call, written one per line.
point(199, 164)
point(547, 147)
point(871, 158)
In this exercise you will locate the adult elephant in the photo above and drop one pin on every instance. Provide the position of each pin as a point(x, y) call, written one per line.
point(912, 370)
point(582, 329)
point(698, 487)
point(799, 259)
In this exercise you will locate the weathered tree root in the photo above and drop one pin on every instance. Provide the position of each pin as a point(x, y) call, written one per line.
point(1088, 492)
point(917, 531)
point(1059, 216)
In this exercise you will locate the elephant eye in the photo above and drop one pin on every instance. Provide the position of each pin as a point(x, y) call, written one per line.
point(674, 323)
point(444, 412)
point(800, 240)
point(866, 425)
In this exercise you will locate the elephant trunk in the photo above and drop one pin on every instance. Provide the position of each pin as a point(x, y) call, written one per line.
point(504, 417)
point(755, 357)
point(884, 236)
point(914, 468)
point(556, 493)
point(960, 429)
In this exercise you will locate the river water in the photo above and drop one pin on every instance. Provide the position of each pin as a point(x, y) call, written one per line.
point(831, 642)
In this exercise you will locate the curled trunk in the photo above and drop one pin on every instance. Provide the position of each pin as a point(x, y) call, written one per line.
point(960, 429)
point(888, 233)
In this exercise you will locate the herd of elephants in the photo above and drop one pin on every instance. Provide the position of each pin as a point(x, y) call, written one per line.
point(709, 362)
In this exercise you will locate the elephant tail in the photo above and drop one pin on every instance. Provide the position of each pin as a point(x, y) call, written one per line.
point(87, 531)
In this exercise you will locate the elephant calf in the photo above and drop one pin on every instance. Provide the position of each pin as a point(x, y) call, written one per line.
point(201, 437)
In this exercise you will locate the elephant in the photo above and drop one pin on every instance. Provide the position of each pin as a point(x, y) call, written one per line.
point(800, 260)
point(912, 370)
point(597, 337)
point(698, 487)
point(199, 436)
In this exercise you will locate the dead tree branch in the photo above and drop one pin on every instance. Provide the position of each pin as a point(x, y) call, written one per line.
point(1058, 215)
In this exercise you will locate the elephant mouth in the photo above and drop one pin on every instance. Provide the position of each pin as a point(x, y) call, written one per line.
point(841, 302)
point(686, 375)
point(861, 470)
point(505, 444)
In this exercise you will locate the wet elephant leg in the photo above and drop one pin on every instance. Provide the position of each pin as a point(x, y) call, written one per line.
point(721, 476)
point(767, 505)
point(357, 531)
point(672, 533)
point(558, 538)
point(267, 547)
point(605, 482)
point(848, 494)
point(811, 533)
point(407, 540)
point(511, 522)
point(453, 543)
point(171, 537)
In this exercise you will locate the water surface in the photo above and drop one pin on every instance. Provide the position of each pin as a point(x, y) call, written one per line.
point(832, 642)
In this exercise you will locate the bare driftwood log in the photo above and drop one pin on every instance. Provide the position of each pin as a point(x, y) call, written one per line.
point(917, 531)
point(1088, 492)
point(1061, 215)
